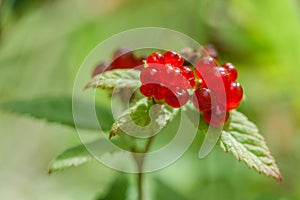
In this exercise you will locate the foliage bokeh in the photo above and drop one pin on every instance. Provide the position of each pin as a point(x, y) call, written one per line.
point(43, 43)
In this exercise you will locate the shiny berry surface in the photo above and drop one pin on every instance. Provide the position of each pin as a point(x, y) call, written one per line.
point(216, 78)
point(123, 58)
point(233, 74)
point(204, 65)
point(177, 97)
point(173, 58)
point(160, 92)
point(234, 95)
point(217, 116)
point(150, 75)
point(203, 99)
point(148, 89)
point(188, 74)
point(155, 58)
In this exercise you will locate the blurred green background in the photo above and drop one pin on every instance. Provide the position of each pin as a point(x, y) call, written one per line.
point(43, 43)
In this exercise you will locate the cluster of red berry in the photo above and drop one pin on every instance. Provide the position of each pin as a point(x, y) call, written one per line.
point(165, 78)
point(216, 91)
point(122, 58)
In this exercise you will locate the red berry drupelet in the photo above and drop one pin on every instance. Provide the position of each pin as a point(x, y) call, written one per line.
point(166, 79)
point(217, 92)
point(122, 58)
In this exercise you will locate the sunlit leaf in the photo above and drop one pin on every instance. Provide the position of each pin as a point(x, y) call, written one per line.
point(242, 138)
point(143, 117)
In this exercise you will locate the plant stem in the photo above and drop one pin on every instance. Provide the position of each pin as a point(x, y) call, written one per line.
point(140, 163)
point(140, 186)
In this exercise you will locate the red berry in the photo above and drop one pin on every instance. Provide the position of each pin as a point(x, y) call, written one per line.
point(188, 75)
point(155, 58)
point(233, 74)
point(204, 65)
point(100, 68)
point(217, 116)
point(150, 75)
point(234, 95)
point(177, 97)
point(172, 77)
point(203, 99)
point(160, 92)
point(216, 78)
point(173, 58)
point(139, 63)
point(148, 89)
point(123, 58)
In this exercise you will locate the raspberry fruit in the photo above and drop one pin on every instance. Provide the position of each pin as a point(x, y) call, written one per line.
point(124, 58)
point(148, 89)
point(155, 58)
point(173, 58)
point(166, 79)
point(216, 116)
point(216, 78)
point(177, 97)
point(160, 92)
point(100, 68)
point(233, 74)
point(234, 94)
point(188, 74)
point(203, 99)
point(150, 75)
point(204, 65)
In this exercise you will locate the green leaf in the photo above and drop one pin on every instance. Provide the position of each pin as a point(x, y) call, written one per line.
point(59, 110)
point(118, 78)
point(72, 157)
point(163, 191)
point(143, 118)
point(118, 190)
point(79, 155)
point(242, 138)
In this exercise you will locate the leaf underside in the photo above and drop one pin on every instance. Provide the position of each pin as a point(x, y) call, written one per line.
point(242, 138)
point(70, 158)
point(140, 117)
point(118, 78)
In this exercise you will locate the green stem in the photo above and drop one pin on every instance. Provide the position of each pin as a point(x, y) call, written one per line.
point(140, 163)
